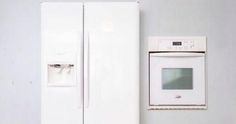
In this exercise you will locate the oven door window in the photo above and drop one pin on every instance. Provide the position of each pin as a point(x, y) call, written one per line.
point(177, 78)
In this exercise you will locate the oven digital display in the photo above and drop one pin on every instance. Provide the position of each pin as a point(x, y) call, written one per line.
point(177, 78)
point(176, 43)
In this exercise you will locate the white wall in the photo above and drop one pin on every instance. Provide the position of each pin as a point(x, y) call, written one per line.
point(20, 57)
point(214, 18)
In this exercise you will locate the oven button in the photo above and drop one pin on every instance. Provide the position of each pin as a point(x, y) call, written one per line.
point(185, 47)
point(191, 46)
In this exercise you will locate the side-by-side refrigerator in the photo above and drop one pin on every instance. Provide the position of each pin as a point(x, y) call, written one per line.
point(90, 63)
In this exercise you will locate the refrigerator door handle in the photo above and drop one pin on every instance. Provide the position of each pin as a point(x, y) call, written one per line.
point(80, 71)
point(86, 70)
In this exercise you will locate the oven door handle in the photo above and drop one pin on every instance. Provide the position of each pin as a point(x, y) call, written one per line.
point(177, 54)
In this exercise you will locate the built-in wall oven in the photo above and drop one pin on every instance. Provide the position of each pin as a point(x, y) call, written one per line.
point(177, 73)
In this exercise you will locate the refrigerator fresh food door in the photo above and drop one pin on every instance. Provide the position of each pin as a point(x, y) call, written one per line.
point(62, 50)
point(111, 89)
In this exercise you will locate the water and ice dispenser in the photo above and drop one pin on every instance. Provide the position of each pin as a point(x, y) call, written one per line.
point(61, 74)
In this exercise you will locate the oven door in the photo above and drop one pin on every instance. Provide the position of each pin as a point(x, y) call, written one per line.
point(177, 79)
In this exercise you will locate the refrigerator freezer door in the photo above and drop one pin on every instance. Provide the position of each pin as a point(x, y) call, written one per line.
point(62, 46)
point(112, 93)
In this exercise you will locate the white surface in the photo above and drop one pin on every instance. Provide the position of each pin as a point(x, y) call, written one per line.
point(194, 43)
point(195, 96)
point(86, 69)
point(61, 43)
point(111, 76)
point(114, 63)
point(20, 45)
point(177, 56)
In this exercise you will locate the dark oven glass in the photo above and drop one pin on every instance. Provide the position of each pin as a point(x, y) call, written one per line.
point(177, 78)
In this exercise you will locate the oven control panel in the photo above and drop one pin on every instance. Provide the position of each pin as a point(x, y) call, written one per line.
point(177, 44)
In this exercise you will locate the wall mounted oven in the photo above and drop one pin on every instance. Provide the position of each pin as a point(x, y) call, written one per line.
point(177, 72)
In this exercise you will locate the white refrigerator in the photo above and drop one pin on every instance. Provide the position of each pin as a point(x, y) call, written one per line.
point(90, 63)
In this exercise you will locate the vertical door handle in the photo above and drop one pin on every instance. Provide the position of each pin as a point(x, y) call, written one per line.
point(80, 71)
point(86, 70)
